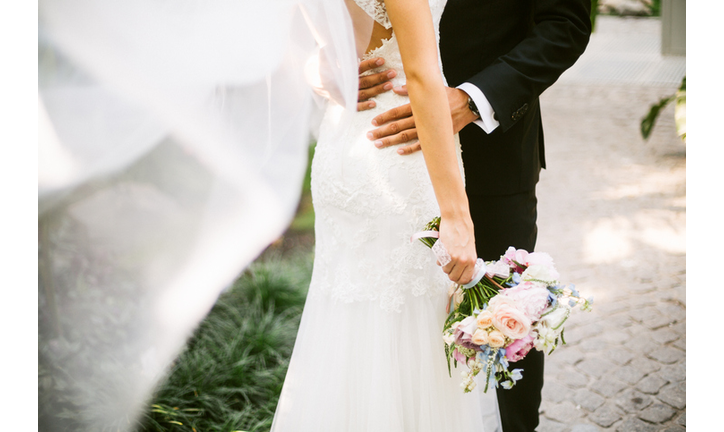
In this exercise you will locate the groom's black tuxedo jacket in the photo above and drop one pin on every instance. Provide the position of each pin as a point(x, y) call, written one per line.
point(512, 50)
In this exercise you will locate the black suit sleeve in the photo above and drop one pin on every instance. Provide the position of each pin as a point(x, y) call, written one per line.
point(558, 37)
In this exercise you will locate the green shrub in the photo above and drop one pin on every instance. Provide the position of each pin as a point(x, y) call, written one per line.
point(230, 375)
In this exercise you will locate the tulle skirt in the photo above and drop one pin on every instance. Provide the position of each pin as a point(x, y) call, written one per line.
point(357, 367)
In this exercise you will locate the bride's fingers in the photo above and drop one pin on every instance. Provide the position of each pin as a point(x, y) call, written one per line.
point(460, 271)
point(467, 275)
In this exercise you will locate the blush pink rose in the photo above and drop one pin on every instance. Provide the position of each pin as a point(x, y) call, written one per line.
point(530, 297)
point(484, 319)
point(480, 337)
point(508, 318)
point(496, 339)
point(517, 350)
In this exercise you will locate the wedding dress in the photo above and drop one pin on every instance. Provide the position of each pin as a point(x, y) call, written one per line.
point(369, 355)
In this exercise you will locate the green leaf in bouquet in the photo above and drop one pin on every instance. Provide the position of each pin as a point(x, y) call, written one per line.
point(448, 355)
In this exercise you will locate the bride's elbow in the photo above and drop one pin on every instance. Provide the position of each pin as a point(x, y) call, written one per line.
point(422, 82)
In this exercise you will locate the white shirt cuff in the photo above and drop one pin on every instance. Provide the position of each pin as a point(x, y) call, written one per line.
point(486, 121)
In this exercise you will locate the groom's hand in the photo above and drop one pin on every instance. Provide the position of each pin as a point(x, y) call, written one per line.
point(374, 84)
point(397, 126)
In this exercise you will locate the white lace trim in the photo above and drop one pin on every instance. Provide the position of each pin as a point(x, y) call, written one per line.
point(377, 10)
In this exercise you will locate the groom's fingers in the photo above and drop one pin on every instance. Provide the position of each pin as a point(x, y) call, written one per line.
point(370, 64)
point(374, 84)
point(369, 92)
point(398, 132)
point(365, 93)
point(397, 113)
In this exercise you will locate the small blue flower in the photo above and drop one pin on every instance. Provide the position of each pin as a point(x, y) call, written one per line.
point(492, 382)
point(516, 374)
point(572, 303)
point(501, 352)
point(507, 385)
point(552, 299)
point(503, 362)
point(574, 291)
point(516, 278)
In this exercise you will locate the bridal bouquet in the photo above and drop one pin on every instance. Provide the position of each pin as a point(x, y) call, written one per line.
point(511, 306)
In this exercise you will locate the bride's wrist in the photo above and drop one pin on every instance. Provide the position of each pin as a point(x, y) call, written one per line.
point(457, 210)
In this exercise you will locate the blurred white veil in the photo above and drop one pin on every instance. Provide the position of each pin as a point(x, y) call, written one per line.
point(173, 139)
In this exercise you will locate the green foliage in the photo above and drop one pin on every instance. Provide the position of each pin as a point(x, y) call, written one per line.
point(304, 219)
point(230, 375)
point(648, 122)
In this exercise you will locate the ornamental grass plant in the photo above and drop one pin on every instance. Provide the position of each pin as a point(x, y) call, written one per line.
point(231, 372)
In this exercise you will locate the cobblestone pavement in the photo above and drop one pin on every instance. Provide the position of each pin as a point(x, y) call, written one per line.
point(612, 213)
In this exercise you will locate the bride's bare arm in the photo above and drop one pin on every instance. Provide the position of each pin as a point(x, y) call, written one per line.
point(412, 24)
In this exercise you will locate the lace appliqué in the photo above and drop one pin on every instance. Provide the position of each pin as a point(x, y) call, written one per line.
point(377, 10)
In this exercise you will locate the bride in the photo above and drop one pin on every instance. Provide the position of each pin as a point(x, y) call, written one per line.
point(369, 353)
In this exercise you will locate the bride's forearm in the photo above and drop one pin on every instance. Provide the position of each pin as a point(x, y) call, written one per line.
point(415, 33)
point(429, 103)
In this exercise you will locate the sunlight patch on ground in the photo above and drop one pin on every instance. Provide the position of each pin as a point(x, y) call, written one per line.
point(615, 239)
point(665, 230)
point(646, 183)
point(608, 241)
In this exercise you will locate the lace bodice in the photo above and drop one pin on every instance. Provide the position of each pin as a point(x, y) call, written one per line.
point(377, 10)
point(389, 49)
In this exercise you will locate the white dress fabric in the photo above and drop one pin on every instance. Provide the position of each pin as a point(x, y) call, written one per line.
point(369, 354)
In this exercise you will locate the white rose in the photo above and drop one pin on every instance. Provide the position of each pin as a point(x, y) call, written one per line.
point(539, 258)
point(546, 338)
point(540, 273)
point(554, 319)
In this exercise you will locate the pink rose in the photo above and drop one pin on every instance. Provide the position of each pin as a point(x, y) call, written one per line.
point(517, 350)
point(508, 318)
point(530, 297)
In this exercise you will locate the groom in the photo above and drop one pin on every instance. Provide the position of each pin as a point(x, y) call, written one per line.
point(498, 56)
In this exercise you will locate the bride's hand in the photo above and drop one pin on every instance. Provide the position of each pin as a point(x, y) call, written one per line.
point(458, 237)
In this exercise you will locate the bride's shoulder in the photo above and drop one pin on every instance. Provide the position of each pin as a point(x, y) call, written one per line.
point(376, 10)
